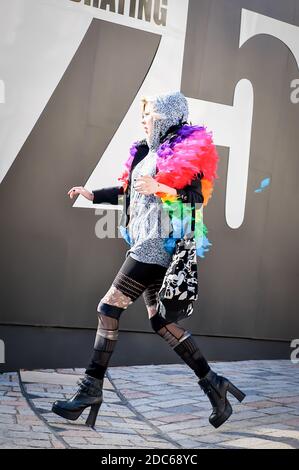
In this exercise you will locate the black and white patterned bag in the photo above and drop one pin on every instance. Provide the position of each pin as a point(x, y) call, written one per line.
point(180, 284)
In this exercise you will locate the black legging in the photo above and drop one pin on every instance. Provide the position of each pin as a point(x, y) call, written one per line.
point(133, 279)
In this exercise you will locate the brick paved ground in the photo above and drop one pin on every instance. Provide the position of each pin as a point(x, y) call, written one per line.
point(154, 407)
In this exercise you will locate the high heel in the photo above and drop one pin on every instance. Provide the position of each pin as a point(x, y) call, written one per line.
point(236, 392)
point(89, 394)
point(216, 387)
point(91, 418)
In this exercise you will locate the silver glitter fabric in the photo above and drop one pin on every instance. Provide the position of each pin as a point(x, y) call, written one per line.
point(149, 224)
point(172, 107)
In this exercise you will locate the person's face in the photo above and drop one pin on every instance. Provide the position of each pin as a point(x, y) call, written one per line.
point(147, 119)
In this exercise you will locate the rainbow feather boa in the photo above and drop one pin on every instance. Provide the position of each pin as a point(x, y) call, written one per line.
point(179, 159)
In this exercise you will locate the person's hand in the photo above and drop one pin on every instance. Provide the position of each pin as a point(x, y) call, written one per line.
point(80, 190)
point(146, 184)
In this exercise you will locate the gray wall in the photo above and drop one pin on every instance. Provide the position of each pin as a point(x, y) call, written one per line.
point(54, 270)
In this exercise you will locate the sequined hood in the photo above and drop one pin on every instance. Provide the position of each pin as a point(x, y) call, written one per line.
point(171, 109)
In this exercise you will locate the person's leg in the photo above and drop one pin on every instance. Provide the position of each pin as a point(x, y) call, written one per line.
point(124, 290)
point(214, 386)
point(131, 280)
point(129, 283)
point(179, 339)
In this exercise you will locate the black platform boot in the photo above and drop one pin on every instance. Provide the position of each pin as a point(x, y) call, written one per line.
point(216, 387)
point(89, 393)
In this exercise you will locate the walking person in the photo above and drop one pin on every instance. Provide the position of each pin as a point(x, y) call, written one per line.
point(174, 164)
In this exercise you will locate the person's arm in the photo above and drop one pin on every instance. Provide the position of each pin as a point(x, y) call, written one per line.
point(163, 188)
point(189, 193)
point(192, 192)
point(109, 194)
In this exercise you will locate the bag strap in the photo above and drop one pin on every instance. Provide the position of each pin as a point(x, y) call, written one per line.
point(193, 219)
point(192, 229)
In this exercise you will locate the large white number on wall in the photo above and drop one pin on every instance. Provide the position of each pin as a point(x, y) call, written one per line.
point(164, 74)
point(60, 32)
